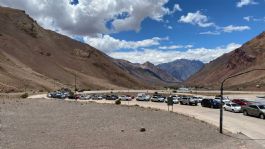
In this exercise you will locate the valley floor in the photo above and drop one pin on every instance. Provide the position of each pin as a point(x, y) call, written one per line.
point(58, 124)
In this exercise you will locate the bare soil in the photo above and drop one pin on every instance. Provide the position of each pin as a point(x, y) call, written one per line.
point(58, 124)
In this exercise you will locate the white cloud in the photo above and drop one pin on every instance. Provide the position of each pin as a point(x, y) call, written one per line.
point(109, 44)
point(242, 3)
point(196, 18)
point(173, 47)
point(169, 27)
point(248, 18)
point(232, 28)
point(159, 56)
point(210, 33)
point(251, 18)
point(176, 8)
point(89, 17)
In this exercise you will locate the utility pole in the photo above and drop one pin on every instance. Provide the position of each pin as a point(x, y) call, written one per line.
point(222, 93)
point(75, 81)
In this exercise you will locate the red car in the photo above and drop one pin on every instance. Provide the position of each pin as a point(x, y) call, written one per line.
point(241, 102)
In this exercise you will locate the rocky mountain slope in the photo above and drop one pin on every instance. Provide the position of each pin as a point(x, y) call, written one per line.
point(182, 69)
point(34, 58)
point(250, 56)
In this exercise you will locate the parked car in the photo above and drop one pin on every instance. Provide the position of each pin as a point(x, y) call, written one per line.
point(188, 100)
point(158, 98)
point(143, 97)
point(125, 98)
point(255, 109)
point(85, 97)
point(225, 99)
point(233, 107)
point(175, 99)
point(111, 97)
point(241, 102)
point(96, 97)
point(74, 96)
point(199, 99)
point(210, 103)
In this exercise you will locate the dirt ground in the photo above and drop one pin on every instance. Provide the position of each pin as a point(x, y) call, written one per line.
point(57, 124)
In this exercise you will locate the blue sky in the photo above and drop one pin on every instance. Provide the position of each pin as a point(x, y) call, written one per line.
point(158, 31)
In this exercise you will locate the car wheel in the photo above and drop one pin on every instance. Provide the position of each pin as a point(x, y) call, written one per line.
point(262, 116)
point(212, 106)
point(233, 110)
point(181, 103)
point(225, 109)
point(245, 112)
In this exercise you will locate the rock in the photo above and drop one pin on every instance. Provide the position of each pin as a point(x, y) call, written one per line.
point(142, 129)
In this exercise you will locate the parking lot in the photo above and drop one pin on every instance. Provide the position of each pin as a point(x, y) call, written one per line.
point(235, 122)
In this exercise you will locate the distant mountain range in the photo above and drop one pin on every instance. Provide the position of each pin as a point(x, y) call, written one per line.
point(250, 56)
point(147, 72)
point(182, 69)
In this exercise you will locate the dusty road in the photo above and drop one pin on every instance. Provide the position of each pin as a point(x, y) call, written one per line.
point(58, 124)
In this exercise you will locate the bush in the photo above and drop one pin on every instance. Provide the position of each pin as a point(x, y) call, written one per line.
point(118, 102)
point(25, 95)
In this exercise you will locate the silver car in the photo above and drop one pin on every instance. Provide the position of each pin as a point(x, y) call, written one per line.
point(233, 107)
point(158, 98)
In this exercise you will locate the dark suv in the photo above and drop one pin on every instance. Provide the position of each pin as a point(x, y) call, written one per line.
point(210, 103)
point(257, 110)
point(111, 97)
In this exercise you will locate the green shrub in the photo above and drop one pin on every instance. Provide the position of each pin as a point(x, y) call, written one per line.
point(25, 95)
point(118, 102)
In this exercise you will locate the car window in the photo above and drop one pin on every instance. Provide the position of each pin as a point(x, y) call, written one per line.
point(253, 106)
point(228, 105)
point(262, 107)
point(235, 105)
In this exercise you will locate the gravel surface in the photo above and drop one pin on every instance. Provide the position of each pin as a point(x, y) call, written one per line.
point(57, 124)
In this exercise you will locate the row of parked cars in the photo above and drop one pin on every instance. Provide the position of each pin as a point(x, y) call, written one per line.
point(236, 105)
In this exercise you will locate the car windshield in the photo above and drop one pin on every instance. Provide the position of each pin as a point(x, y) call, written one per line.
point(262, 107)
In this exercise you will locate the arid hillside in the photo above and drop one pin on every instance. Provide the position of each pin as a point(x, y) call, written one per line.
point(34, 58)
point(250, 56)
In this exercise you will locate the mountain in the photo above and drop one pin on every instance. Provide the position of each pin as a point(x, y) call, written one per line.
point(250, 56)
point(147, 73)
point(182, 69)
point(32, 58)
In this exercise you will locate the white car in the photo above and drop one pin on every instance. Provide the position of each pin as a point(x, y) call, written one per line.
point(125, 98)
point(225, 100)
point(233, 107)
point(143, 97)
point(199, 99)
point(158, 98)
point(175, 99)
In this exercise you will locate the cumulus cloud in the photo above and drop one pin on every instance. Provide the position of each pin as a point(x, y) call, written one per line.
point(232, 28)
point(89, 17)
point(196, 18)
point(159, 56)
point(242, 3)
point(109, 44)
